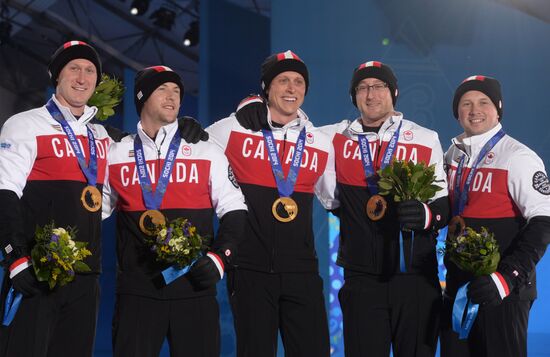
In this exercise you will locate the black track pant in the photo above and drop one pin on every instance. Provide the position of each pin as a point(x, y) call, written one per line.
point(402, 312)
point(140, 325)
point(264, 303)
point(499, 331)
point(59, 323)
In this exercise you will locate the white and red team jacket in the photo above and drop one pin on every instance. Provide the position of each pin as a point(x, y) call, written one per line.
point(510, 195)
point(38, 163)
point(372, 247)
point(270, 245)
point(201, 184)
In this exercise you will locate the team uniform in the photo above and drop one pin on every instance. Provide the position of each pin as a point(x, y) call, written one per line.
point(276, 284)
point(39, 165)
point(200, 185)
point(509, 195)
point(380, 304)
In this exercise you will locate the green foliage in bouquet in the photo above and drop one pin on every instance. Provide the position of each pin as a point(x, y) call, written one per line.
point(107, 95)
point(474, 252)
point(405, 180)
point(56, 256)
point(177, 243)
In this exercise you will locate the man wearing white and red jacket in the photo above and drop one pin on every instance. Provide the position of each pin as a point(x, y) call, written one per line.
point(276, 286)
point(40, 182)
point(201, 183)
point(386, 300)
point(509, 194)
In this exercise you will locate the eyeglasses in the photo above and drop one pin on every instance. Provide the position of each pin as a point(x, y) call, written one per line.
point(377, 88)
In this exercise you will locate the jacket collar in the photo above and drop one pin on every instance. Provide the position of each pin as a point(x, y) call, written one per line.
point(85, 118)
point(471, 145)
point(164, 135)
point(296, 124)
point(390, 125)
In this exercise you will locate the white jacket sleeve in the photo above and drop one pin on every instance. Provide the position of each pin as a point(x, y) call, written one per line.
point(17, 154)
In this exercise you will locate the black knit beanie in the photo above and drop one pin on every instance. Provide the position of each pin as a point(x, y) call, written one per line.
point(374, 69)
point(69, 51)
point(487, 85)
point(149, 79)
point(282, 62)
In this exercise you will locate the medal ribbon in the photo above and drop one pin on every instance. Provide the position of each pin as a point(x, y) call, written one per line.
point(172, 273)
point(460, 195)
point(463, 324)
point(154, 199)
point(368, 166)
point(366, 158)
point(285, 187)
point(11, 305)
point(89, 170)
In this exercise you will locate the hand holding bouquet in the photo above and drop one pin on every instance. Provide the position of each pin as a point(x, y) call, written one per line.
point(56, 256)
point(474, 252)
point(176, 243)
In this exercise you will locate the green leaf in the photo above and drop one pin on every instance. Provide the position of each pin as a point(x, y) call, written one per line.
point(384, 185)
point(81, 267)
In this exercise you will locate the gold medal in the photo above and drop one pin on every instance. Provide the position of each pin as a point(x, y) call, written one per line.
point(149, 220)
point(91, 198)
point(376, 207)
point(289, 206)
point(456, 226)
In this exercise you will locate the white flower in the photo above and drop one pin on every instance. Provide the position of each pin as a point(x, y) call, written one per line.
point(186, 251)
point(71, 244)
point(162, 233)
point(59, 231)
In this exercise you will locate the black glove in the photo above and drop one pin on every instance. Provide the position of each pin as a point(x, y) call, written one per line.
point(489, 290)
point(412, 215)
point(25, 282)
point(252, 113)
point(206, 271)
point(115, 133)
point(191, 130)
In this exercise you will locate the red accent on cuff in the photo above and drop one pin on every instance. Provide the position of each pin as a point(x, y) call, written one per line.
point(217, 257)
point(503, 282)
point(18, 262)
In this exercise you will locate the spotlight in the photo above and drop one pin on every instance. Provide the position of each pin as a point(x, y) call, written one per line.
point(191, 37)
point(5, 32)
point(139, 7)
point(163, 18)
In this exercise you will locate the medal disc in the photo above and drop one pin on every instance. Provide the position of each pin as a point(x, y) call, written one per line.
point(376, 207)
point(284, 209)
point(91, 198)
point(149, 220)
point(456, 226)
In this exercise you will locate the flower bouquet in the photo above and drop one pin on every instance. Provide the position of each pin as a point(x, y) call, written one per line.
point(176, 243)
point(107, 95)
point(474, 252)
point(56, 256)
point(405, 180)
